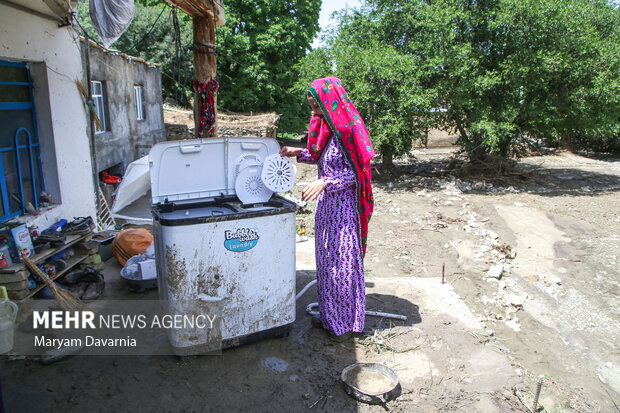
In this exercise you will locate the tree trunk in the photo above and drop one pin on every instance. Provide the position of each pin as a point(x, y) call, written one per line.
point(388, 158)
point(205, 63)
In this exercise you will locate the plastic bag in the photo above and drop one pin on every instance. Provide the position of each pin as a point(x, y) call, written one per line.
point(111, 18)
point(131, 242)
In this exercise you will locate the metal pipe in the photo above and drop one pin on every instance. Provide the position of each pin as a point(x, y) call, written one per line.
point(310, 310)
point(92, 124)
point(538, 387)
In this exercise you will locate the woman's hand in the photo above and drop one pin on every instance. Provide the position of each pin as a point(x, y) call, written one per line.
point(290, 151)
point(313, 190)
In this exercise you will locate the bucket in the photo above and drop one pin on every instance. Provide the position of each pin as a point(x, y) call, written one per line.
point(8, 314)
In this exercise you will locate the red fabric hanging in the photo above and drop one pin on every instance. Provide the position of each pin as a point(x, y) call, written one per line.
point(206, 92)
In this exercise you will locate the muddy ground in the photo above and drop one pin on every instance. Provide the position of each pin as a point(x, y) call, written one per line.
point(473, 344)
point(553, 230)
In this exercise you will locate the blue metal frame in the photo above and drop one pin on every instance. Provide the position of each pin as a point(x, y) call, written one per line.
point(34, 150)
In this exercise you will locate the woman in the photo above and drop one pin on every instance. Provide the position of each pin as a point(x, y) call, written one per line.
point(339, 144)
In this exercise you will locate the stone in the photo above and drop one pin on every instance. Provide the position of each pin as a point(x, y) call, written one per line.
point(496, 271)
point(514, 324)
point(552, 279)
point(17, 285)
point(14, 276)
point(515, 300)
point(19, 294)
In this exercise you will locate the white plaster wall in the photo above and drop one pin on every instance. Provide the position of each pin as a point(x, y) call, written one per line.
point(26, 37)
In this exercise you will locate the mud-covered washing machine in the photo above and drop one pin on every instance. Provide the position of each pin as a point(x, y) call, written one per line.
point(215, 255)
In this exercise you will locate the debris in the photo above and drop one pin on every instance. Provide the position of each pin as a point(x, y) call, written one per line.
point(552, 279)
point(538, 387)
point(514, 324)
point(515, 300)
point(496, 271)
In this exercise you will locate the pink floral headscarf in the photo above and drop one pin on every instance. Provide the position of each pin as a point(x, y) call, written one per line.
point(342, 118)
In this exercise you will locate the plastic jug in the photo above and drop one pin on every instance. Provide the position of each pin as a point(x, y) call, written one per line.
point(8, 314)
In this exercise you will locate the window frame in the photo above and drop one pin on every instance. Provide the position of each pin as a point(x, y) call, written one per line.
point(137, 91)
point(99, 102)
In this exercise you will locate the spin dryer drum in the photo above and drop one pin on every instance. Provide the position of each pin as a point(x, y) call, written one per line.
point(278, 173)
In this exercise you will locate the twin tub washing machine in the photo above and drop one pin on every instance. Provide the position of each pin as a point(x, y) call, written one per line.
point(224, 239)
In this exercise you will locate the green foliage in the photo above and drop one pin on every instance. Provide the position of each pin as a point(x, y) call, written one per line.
point(259, 44)
point(508, 71)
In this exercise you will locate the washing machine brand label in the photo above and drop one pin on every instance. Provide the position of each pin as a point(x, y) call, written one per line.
point(242, 239)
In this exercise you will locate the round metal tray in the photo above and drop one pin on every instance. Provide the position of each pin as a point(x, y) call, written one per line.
point(350, 378)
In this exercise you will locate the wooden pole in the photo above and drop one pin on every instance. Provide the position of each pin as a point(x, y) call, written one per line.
point(205, 62)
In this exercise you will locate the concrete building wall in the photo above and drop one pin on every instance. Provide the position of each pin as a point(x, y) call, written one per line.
point(126, 138)
point(54, 60)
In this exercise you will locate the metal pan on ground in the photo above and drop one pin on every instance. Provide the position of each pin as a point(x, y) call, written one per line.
point(371, 383)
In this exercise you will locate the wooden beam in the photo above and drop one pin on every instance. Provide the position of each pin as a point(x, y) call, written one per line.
point(205, 62)
point(194, 8)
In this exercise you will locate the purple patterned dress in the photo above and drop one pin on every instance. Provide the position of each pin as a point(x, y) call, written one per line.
point(339, 263)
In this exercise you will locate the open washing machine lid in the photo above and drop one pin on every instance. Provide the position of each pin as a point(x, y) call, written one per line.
point(202, 169)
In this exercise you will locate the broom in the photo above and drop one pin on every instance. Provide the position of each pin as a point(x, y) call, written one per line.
point(66, 299)
point(91, 109)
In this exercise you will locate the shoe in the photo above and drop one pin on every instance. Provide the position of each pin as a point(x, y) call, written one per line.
point(87, 284)
point(79, 226)
point(341, 338)
point(55, 238)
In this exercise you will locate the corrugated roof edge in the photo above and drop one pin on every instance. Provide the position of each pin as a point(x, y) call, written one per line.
point(117, 53)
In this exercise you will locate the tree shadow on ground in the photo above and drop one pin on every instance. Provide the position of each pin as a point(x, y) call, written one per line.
point(515, 177)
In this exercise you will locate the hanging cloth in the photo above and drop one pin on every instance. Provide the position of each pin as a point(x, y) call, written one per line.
point(341, 118)
point(206, 92)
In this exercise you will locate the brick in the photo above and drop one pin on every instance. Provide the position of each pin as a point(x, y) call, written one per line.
point(19, 295)
point(16, 286)
point(14, 277)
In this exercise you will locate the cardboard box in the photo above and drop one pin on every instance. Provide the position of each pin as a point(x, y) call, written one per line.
point(23, 242)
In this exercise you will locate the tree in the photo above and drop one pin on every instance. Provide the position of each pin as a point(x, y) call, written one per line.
point(257, 50)
point(259, 46)
point(508, 71)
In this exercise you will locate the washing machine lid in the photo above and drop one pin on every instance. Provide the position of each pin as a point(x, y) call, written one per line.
point(201, 169)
